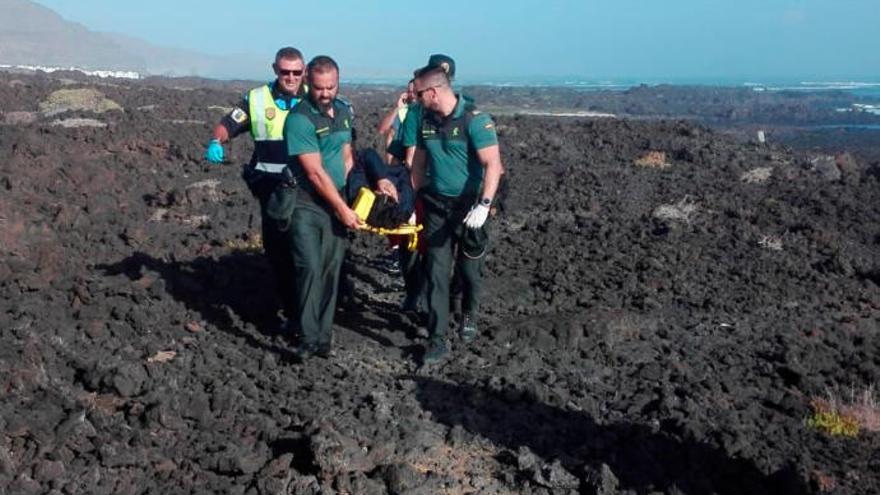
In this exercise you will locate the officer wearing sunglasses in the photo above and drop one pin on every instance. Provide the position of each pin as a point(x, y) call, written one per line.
point(262, 112)
point(456, 169)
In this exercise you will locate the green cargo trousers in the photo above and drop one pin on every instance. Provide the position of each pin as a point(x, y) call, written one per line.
point(318, 244)
point(278, 246)
point(444, 233)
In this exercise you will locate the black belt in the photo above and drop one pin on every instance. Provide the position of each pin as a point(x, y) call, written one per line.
point(448, 204)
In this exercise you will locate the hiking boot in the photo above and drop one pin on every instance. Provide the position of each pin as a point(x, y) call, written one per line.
point(325, 351)
point(469, 329)
point(303, 352)
point(435, 353)
point(410, 304)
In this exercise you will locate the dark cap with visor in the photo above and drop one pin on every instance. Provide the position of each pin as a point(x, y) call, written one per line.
point(439, 61)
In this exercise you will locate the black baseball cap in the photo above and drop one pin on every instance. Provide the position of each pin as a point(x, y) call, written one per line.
point(439, 61)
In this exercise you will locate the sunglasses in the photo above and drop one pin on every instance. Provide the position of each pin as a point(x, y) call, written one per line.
point(420, 92)
point(294, 72)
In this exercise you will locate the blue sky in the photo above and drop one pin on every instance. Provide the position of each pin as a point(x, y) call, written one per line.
point(651, 40)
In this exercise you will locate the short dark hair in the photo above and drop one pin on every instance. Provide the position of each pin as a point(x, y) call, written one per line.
point(288, 52)
point(322, 63)
point(436, 75)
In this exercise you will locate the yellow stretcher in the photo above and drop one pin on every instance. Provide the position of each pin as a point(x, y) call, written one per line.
point(363, 203)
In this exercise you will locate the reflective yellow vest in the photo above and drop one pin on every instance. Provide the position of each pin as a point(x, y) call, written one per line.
point(267, 129)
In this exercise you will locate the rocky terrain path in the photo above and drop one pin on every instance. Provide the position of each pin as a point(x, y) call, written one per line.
point(664, 307)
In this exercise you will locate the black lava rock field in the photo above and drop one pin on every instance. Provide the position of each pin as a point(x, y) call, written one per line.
point(668, 310)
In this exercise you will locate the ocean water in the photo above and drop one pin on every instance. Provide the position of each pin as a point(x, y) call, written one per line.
point(827, 127)
point(860, 88)
point(868, 89)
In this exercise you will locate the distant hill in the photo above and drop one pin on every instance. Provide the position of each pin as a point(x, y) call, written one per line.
point(31, 34)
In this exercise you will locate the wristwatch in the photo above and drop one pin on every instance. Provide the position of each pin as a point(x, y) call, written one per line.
point(486, 201)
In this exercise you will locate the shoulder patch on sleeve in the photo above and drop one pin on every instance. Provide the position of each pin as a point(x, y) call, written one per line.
point(239, 116)
point(489, 125)
point(346, 104)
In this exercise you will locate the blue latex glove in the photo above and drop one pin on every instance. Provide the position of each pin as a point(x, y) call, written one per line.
point(215, 152)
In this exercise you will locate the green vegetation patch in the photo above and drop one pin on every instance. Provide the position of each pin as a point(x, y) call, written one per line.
point(88, 99)
point(832, 422)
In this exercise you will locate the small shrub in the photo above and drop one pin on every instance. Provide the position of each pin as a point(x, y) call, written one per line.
point(87, 99)
point(838, 417)
point(828, 419)
point(252, 243)
point(653, 159)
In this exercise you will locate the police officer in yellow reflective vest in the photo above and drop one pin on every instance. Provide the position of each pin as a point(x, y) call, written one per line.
point(263, 113)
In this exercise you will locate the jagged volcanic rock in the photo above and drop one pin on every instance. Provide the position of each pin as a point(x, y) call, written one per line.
point(646, 329)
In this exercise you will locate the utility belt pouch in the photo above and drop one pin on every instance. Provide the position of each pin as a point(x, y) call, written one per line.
point(258, 184)
point(282, 198)
point(261, 184)
point(280, 205)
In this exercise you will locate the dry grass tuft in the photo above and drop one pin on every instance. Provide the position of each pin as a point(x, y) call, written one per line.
point(824, 482)
point(683, 211)
point(464, 464)
point(840, 416)
point(653, 159)
point(771, 242)
point(757, 175)
point(251, 243)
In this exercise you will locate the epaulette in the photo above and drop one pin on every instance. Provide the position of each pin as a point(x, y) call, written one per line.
point(469, 104)
point(346, 103)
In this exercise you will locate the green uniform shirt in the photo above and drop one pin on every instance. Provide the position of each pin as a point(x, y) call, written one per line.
point(454, 168)
point(308, 130)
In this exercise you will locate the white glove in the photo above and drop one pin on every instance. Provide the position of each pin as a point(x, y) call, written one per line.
point(477, 216)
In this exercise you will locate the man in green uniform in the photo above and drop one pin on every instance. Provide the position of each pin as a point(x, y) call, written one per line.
point(457, 168)
point(262, 113)
point(318, 136)
point(402, 147)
